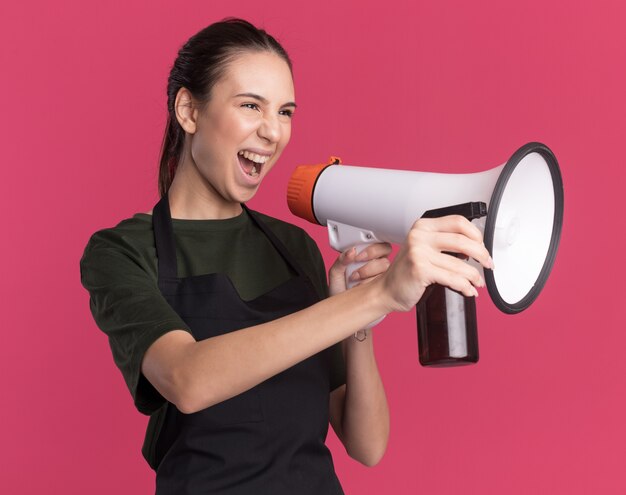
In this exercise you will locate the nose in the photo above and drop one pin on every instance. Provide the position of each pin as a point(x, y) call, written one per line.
point(270, 129)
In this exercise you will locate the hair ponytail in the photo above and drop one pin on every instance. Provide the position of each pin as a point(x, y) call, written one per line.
point(171, 150)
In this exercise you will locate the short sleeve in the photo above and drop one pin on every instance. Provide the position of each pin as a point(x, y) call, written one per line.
point(129, 308)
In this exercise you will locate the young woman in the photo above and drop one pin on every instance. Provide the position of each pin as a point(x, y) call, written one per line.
point(220, 318)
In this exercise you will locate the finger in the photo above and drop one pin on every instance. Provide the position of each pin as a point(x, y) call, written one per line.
point(453, 281)
point(347, 256)
point(459, 243)
point(373, 251)
point(338, 268)
point(372, 268)
point(367, 280)
point(453, 264)
point(452, 224)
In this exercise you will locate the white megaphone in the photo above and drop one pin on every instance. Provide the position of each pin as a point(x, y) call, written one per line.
point(523, 203)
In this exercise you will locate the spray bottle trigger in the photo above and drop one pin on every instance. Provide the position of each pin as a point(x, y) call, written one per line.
point(471, 210)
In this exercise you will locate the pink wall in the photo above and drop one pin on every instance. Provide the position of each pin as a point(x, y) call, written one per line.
point(449, 86)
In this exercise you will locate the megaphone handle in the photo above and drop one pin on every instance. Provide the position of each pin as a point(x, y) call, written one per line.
point(352, 267)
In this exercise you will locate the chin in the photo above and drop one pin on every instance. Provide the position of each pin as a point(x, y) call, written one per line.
point(246, 195)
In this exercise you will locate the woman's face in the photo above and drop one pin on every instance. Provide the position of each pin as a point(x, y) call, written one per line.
point(245, 125)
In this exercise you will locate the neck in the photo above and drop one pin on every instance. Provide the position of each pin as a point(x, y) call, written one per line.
point(193, 198)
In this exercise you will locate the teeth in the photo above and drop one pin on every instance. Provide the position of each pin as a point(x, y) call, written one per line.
point(253, 157)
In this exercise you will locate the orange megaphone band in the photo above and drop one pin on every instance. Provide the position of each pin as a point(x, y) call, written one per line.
point(301, 186)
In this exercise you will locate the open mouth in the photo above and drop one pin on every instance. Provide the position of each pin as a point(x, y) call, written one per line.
point(251, 163)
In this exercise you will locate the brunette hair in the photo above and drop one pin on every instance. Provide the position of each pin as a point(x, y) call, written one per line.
point(199, 65)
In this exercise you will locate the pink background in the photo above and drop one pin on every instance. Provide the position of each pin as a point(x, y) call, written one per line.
point(448, 86)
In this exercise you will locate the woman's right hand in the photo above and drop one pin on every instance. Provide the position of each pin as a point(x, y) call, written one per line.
point(423, 261)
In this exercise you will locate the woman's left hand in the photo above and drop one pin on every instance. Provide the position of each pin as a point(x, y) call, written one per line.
point(377, 257)
point(358, 410)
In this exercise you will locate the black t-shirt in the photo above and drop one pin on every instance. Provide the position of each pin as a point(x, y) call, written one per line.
point(119, 269)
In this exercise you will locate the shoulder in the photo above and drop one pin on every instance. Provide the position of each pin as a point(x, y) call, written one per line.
point(130, 242)
point(134, 231)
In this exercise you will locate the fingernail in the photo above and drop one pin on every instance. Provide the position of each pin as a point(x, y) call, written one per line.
point(481, 282)
point(348, 253)
point(491, 265)
point(475, 292)
point(355, 276)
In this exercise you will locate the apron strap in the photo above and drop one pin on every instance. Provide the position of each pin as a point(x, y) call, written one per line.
point(276, 242)
point(164, 239)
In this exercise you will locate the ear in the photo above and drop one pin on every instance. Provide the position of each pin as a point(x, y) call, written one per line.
point(186, 112)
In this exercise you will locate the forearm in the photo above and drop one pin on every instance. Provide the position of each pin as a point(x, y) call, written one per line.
point(219, 368)
point(365, 418)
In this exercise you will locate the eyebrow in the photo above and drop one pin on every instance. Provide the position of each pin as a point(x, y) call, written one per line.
point(264, 100)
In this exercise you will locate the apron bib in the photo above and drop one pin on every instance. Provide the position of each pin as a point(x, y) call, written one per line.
point(267, 440)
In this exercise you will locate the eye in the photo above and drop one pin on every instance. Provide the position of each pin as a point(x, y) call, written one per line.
point(287, 113)
point(251, 106)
